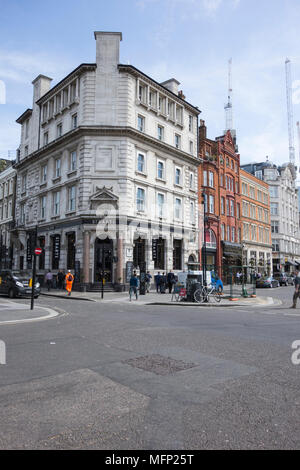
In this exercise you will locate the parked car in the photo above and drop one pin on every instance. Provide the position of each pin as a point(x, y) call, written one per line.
point(267, 282)
point(284, 279)
point(17, 284)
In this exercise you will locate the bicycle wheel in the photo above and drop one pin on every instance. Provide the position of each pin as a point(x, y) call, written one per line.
point(199, 296)
point(216, 296)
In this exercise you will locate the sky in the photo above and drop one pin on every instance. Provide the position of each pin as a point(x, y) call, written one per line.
point(190, 40)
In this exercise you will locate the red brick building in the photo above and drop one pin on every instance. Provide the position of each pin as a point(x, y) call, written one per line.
point(219, 183)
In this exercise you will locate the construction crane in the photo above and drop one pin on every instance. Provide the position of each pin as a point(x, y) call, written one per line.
point(288, 76)
point(228, 105)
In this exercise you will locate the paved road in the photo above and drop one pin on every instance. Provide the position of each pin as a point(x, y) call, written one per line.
point(117, 376)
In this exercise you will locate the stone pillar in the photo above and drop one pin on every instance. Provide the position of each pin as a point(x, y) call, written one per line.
point(86, 256)
point(120, 263)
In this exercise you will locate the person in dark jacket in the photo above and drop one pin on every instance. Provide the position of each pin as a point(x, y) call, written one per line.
point(170, 281)
point(157, 280)
point(60, 279)
point(162, 284)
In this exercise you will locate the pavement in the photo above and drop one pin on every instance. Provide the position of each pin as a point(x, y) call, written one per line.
point(16, 312)
point(153, 298)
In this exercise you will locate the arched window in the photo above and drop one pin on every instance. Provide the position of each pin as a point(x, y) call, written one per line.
point(210, 239)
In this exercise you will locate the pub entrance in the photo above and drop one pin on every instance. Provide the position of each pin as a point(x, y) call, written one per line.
point(103, 259)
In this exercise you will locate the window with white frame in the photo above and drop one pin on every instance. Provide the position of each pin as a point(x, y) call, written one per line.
point(177, 141)
point(140, 200)
point(222, 231)
point(59, 130)
point(72, 198)
point(233, 234)
point(141, 163)
point(57, 168)
point(190, 123)
point(22, 213)
point(211, 179)
point(222, 205)
point(160, 204)
point(44, 174)
point(74, 121)
point(178, 210)
point(141, 123)
point(204, 178)
point(177, 176)
point(160, 133)
point(160, 170)
point(43, 207)
point(231, 208)
point(24, 182)
point(211, 204)
point(191, 180)
point(56, 203)
point(73, 160)
point(274, 208)
point(191, 147)
point(228, 233)
point(192, 212)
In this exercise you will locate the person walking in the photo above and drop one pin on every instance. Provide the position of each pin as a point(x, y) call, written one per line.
point(69, 282)
point(297, 289)
point(157, 280)
point(170, 281)
point(133, 287)
point(49, 278)
point(148, 281)
point(60, 279)
point(162, 284)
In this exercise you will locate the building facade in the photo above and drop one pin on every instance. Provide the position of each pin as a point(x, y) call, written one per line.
point(107, 171)
point(219, 188)
point(283, 212)
point(7, 212)
point(256, 224)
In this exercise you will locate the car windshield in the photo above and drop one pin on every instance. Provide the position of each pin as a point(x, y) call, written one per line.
point(20, 274)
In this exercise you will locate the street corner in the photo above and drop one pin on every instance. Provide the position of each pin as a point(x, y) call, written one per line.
point(12, 312)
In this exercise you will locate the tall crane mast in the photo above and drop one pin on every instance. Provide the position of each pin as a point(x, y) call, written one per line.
point(228, 105)
point(288, 76)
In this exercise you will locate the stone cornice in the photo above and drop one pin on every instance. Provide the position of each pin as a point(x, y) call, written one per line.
point(114, 131)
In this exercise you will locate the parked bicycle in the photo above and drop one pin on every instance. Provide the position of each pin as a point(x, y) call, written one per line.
point(204, 293)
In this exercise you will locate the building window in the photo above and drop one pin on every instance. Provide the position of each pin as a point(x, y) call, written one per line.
point(26, 150)
point(46, 138)
point(158, 250)
point(192, 213)
point(140, 200)
point(275, 226)
point(177, 141)
point(204, 178)
point(221, 180)
point(211, 179)
point(26, 128)
point(191, 180)
point(191, 147)
point(24, 182)
point(211, 204)
point(231, 208)
point(141, 123)
point(238, 210)
point(160, 204)
point(59, 130)
point(178, 176)
point(274, 208)
point(228, 233)
point(56, 203)
point(74, 121)
point(72, 198)
point(222, 231)
point(273, 190)
point(141, 163)
point(160, 170)
point(233, 234)
point(57, 167)
point(73, 161)
point(177, 254)
point(160, 132)
point(227, 162)
point(222, 205)
point(22, 214)
point(178, 214)
point(43, 207)
point(44, 174)
point(190, 123)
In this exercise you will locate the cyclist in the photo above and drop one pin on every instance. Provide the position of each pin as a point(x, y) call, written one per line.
point(134, 285)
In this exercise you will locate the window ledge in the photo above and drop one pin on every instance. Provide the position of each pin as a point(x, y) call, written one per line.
point(178, 185)
point(43, 185)
point(56, 180)
point(72, 173)
point(42, 220)
point(71, 212)
point(161, 180)
point(54, 217)
point(141, 173)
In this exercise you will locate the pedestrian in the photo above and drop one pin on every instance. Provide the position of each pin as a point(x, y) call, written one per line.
point(170, 281)
point(60, 279)
point(162, 284)
point(148, 281)
point(157, 280)
point(69, 282)
point(297, 289)
point(49, 278)
point(133, 286)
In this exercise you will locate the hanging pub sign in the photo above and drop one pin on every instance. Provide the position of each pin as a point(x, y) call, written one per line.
point(56, 247)
point(154, 249)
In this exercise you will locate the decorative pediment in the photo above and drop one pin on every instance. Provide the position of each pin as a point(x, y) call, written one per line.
point(228, 139)
point(104, 195)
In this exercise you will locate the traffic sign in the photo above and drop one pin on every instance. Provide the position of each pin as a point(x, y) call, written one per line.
point(38, 251)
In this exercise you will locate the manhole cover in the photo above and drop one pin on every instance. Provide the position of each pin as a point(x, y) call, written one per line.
point(159, 365)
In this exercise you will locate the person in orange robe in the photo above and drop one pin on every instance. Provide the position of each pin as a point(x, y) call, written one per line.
point(69, 282)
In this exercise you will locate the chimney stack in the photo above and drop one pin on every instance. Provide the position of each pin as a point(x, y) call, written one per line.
point(107, 49)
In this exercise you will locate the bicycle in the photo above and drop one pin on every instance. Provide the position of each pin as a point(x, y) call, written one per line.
point(134, 290)
point(204, 293)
